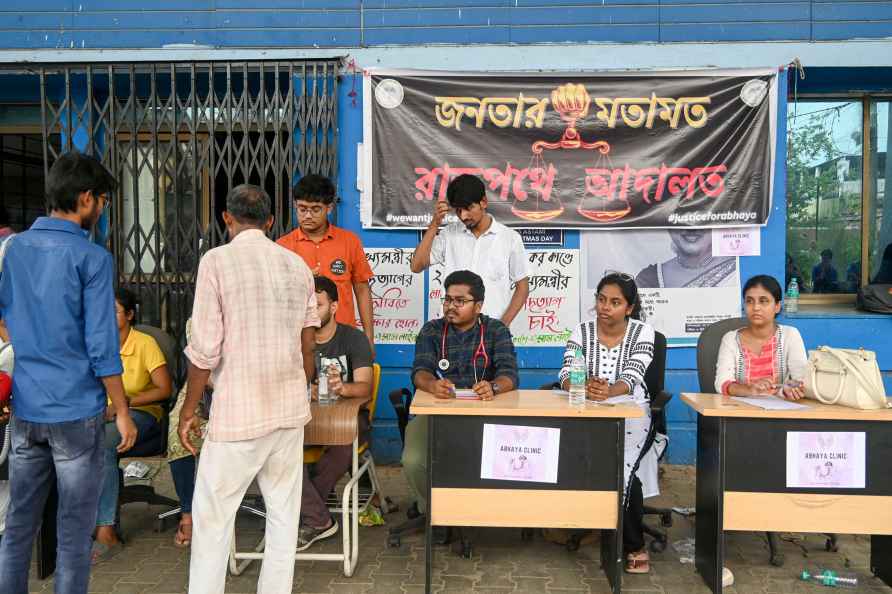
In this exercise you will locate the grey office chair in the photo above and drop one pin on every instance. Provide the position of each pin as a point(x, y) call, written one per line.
point(708, 350)
point(707, 356)
point(154, 445)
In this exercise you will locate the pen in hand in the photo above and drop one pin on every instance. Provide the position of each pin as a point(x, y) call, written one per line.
point(448, 385)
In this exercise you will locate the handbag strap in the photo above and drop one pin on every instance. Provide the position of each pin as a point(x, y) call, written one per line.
point(814, 382)
point(865, 382)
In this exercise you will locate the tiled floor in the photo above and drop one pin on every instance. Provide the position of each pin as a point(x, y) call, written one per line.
point(502, 562)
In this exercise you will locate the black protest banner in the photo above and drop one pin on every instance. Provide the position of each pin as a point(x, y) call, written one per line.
point(670, 149)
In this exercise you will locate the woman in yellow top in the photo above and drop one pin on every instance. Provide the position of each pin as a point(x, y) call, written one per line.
point(147, 383)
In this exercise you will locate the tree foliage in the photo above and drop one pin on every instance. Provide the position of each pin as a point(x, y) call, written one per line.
point(820, 210)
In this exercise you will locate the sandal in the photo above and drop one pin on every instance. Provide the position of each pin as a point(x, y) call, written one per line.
point(183, 537)
point(638, 562)
point(102, 552)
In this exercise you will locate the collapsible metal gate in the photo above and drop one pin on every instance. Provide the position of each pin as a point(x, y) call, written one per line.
point(178, 137)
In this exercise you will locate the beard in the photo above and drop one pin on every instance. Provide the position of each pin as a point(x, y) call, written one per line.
point(88, 222)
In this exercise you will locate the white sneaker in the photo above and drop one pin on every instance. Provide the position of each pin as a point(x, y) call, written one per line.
point(308, 535)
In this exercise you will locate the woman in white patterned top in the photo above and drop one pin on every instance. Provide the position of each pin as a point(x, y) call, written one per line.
point(618, 348)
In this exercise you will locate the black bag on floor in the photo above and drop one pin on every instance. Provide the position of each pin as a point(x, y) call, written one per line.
point(875, 298)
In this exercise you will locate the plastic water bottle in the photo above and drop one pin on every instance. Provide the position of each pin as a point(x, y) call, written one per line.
point(577, 379)
point(324, 397)
point(791, 304)
point(829, 577)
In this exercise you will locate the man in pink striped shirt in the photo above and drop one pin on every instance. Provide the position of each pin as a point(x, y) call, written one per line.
point(254, 330)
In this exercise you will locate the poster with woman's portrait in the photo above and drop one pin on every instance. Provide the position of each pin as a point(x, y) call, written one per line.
point(683, 287)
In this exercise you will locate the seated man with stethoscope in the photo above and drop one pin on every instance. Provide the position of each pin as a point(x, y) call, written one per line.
point(464, 354)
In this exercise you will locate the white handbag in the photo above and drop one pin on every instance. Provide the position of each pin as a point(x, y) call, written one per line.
point(847, 377)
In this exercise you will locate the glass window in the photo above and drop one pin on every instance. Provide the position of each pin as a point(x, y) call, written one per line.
point(824, 195)
point(879, 210)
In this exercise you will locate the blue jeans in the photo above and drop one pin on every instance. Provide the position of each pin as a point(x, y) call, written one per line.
point(71, 454)
point(183, 472)
point(146, 427)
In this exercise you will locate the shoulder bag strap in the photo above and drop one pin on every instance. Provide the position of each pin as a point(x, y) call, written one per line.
point(866, 383)
point(814, 381)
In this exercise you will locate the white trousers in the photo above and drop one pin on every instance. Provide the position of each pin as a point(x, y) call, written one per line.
point(225, 472)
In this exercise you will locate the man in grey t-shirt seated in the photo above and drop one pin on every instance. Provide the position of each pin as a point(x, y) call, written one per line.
point(344, 353)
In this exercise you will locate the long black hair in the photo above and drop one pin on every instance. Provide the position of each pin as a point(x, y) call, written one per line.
point(629, 290)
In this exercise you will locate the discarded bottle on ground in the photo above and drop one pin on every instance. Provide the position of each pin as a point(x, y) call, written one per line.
point(829, 577)
point(577, 379)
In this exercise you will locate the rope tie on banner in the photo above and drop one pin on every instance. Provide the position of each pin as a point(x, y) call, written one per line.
point(795, 64)
point(798, 66)
point(351, 66)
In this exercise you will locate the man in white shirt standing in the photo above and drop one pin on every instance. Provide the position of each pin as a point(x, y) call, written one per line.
point(479, 243)
point(254, 329)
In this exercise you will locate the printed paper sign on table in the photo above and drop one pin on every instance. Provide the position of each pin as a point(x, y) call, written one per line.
point(826, 460)
point(397, 295)
point(551, 309)
point(520, 453)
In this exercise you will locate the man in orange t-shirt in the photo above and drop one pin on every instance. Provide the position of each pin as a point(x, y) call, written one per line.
point(331, 251)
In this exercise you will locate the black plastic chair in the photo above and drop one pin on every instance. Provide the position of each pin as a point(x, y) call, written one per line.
point(707, 355)
point(654, 378)
point(401, 399)
point(659, 398)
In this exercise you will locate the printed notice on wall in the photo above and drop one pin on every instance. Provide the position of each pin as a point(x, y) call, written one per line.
point(397, 295)
point(520, 453)
point(826, 460)
point(551, 310)
point(683, 287)
point(739, 241)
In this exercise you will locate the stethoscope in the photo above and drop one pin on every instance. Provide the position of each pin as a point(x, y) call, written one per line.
point(479, 352)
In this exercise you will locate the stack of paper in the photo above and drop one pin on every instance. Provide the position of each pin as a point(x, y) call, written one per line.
point(770, 403)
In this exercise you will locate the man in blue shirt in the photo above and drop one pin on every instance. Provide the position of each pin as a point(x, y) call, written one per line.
point(57, 300)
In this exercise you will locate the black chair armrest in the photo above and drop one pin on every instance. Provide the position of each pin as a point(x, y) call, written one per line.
point(551, 386)
point(659, 401)
point(401, 399)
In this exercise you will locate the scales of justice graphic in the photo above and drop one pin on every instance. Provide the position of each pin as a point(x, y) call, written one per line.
point(572, 102)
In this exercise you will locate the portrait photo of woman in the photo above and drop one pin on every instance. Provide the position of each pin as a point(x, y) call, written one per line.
point(692, 264)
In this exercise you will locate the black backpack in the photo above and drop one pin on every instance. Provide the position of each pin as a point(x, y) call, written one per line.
point(875, 298)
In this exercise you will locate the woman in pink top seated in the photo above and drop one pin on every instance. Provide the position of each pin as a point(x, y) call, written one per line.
point(763, 357)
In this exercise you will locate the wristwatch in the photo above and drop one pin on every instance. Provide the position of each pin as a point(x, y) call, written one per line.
point(495, 387)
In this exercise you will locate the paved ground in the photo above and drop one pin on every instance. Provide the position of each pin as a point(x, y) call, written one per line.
point(502, 562)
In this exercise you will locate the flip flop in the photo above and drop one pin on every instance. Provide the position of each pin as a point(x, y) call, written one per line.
point(102, 552)
point(638, 562)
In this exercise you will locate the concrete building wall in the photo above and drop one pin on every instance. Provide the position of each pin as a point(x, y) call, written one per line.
point(850, 37)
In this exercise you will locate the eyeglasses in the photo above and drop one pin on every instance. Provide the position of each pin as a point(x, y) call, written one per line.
point(313, 210)
point(457, 302)
point(623, 275)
